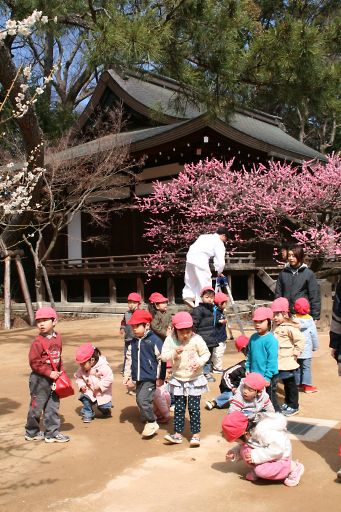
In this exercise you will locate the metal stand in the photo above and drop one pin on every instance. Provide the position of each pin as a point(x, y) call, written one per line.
point(223, 286)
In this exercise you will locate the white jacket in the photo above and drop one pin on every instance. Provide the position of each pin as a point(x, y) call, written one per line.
point(204, 248)
point(270, 440)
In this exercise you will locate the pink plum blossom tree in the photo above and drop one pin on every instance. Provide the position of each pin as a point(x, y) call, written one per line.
point(273, 204)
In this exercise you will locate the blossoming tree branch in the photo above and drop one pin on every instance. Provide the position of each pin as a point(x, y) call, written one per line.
point(274, 204)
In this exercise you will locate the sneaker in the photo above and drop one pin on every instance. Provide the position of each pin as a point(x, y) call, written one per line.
point(194, 442)
point(189, 302)
point(106, 413)
point(251, 476)
point(294, 476)
point(290, 411)
point(216, 370)
point(284, 407)
point(173, 438)
point(87, 419)
point(150, 429)
point(210, 377)
point(310, 389)
point(210, 404)
point(131, 392)
point(37, 437)
point(338, 474)
point(58, 438)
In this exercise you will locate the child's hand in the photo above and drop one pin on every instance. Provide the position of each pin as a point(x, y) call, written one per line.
point(54, 375)
point(248, 458)
point(169, 330)
point(122, 331)
point(222, 321)
point(231, 455)
point(96, 389)
point(180, 349)
point(195, 365)
point(159, 383)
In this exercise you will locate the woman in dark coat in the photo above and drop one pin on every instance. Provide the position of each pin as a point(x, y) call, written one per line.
point(296, 280)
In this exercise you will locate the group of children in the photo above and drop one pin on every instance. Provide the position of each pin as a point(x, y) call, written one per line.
point(184, 346)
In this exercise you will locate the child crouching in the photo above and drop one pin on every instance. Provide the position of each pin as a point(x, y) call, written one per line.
point(94, 379)
point(266, 447)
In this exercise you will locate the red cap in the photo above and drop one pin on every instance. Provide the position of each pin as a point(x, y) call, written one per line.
point(262, 314)
point(84, 352)
point(241, 342)
point(280, 305)
point(302, 306)
point(182, 320)
point(140, 316)
point(220, 297)
point(135, 297)
point(46, 312)
point(255, 381)
point(234, 425)
point(157, 297)
point(206, 289)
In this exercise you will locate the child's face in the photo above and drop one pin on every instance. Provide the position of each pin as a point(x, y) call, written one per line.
point(249, 394)
point(132, 305)
point(87, 365)
point(222, 305)
point(184, 335)
point(280, 317)
point(261, 326)
point(208, 298)
point(161, 306)
point(46, 325)
point(139, 330)
point(169, 373)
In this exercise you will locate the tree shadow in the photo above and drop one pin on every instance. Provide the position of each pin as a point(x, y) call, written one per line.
point(7, 406)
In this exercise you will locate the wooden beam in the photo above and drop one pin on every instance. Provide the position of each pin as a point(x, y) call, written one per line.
point(112, 291)
point(270, 283)
point(87, 291)
point(251, 288)
point(63, 291)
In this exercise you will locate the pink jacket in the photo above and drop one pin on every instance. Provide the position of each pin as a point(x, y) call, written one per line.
point(162, 401)
point(99, 375)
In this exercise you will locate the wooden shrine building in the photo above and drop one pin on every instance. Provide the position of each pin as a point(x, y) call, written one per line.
point(168, 137)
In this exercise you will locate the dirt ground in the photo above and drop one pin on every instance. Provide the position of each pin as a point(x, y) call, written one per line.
point(107, 467)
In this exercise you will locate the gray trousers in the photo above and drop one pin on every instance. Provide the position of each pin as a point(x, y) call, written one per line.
point(144, 398)
point(43, 401)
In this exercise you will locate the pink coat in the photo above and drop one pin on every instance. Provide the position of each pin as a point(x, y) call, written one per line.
point(162, 402)
point(99, 375)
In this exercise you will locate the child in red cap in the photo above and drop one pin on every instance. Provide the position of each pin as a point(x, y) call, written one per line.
point(266, 447)
point(162, 319)
point(308, 328)
point(44, 401)
point(290, 345)
point(188, 353)
point(142, 366)
point(94, 379)
point(251, 397)
point(230, 379)
point(262, 356)
point(134, 301)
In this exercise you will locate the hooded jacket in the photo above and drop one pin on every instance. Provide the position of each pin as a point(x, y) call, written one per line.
point(291, 344)
point(100, 375)
point(309, 331)
point(252, 408)
point(143, 362)
point(270, 440)
point(203, 323)
point(294, 283)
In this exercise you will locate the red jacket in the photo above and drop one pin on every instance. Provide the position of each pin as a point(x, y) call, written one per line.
point(39, 359)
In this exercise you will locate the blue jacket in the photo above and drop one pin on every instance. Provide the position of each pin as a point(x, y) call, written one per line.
point(220, 334)
point(145, 357)
point(309, 331)
point(262, 355)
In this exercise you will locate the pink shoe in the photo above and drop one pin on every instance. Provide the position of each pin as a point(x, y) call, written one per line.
point(294, 476)
point(251, 476)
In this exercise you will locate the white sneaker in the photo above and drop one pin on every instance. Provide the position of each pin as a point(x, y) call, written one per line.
point(150, 429)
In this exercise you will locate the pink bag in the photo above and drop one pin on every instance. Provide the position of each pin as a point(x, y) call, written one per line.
point(63, 385)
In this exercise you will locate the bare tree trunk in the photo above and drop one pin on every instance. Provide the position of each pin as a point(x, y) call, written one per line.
point(48, 288)
point(24, 289)
point(7, 293)
point(38, 286)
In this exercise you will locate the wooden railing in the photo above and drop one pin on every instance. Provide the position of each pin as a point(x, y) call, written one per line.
point(133, 263)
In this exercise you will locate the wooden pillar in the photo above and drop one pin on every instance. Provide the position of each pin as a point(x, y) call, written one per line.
point(24, 289)
point(170, 290)
point(112, 291)
point(326, 303)
point(7, 293)
point(140, 287)
point(87, 291)
point(251, 287)
point(63, 291)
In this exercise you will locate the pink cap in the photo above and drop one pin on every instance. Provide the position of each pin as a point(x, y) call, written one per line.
point(220, 297)
point(302, 306)
point(182, 320)
point(234, 425)
point(255, 381)
point(206, 289)
point(135, 297)
point(280, 305)
point(262, 313)
point(241, 342)
point(140, 316)
point(157, 297)
point(84, 352)
point(46, 312)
